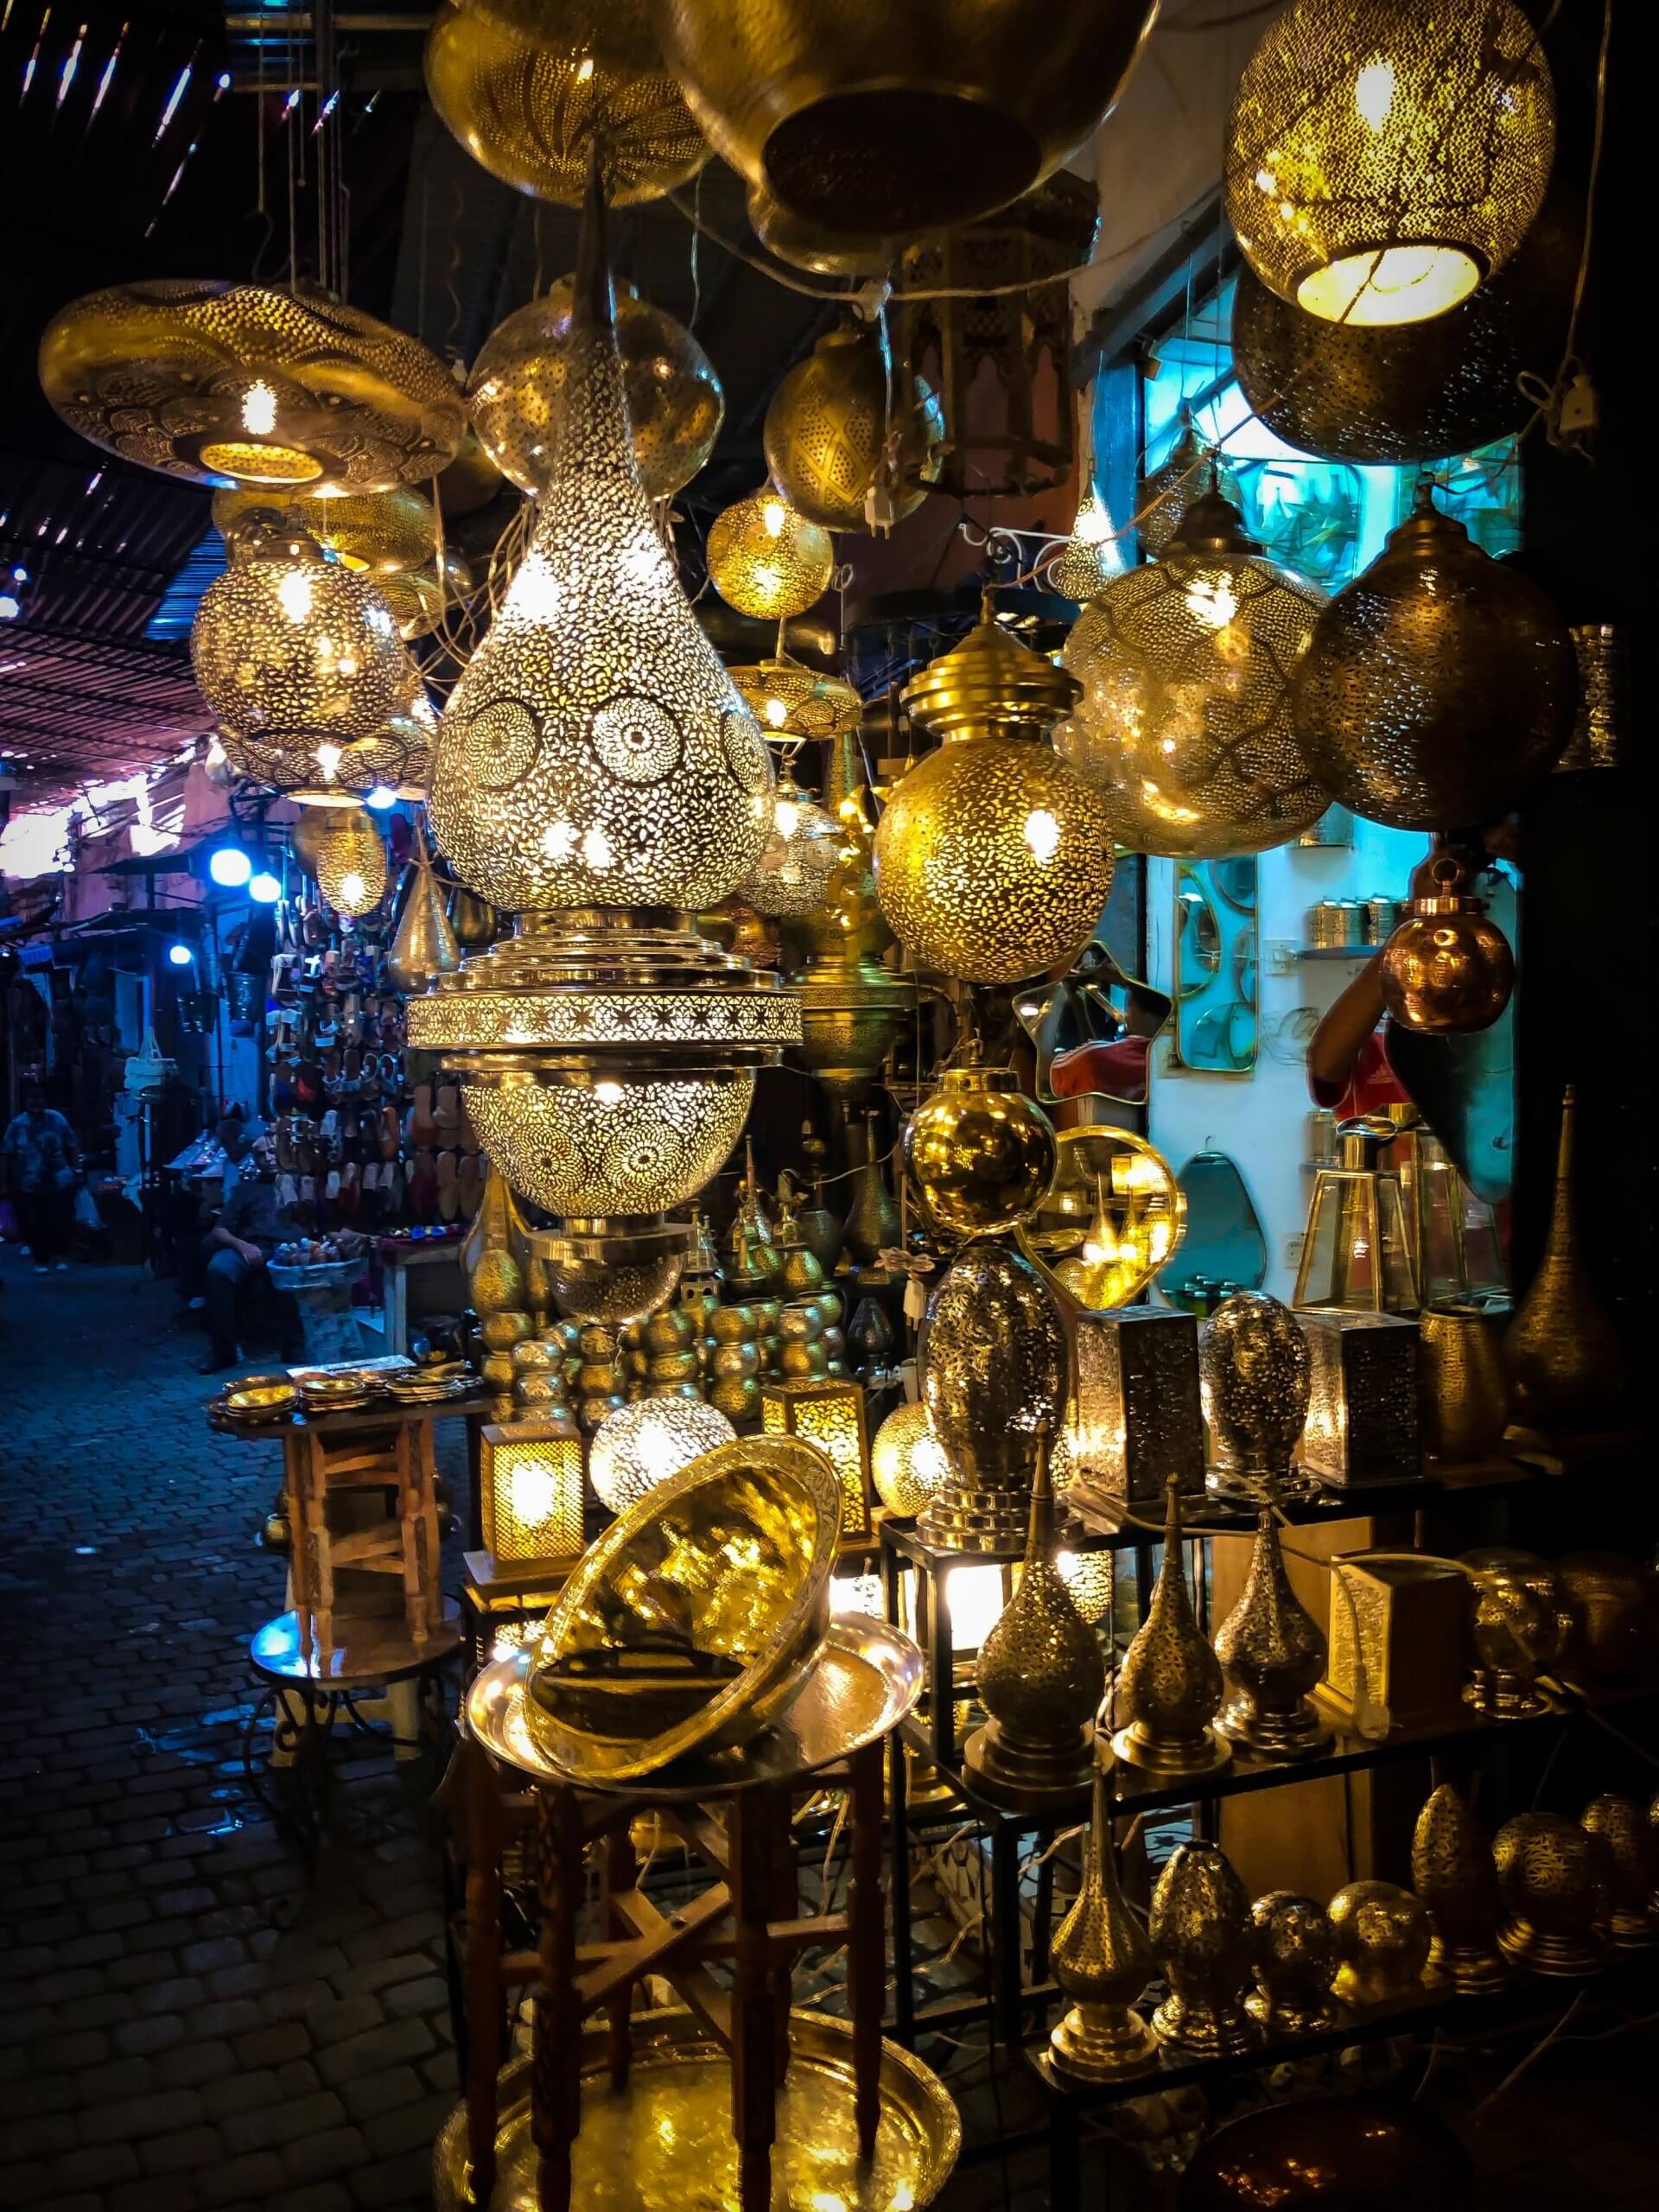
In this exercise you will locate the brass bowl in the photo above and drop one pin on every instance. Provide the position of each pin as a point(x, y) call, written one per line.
point(262, 1397)
point(692, 1620)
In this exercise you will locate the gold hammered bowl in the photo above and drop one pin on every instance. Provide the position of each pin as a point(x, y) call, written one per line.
point(695, 1618)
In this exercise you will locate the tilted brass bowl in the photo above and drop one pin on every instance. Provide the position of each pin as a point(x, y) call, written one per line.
point(694, 1618)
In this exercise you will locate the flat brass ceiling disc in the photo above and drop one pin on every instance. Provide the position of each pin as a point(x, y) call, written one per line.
point(237, 384)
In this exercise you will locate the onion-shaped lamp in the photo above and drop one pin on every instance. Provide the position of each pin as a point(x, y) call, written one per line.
point(981, 1153)
point(1381, 161)
point(531, 100)
point(1184, 721)
point(767, 561)
point(1447, 970)
point(827, 432)
point(1438, 684)
point(320, 768)
point(789, 701)
point(351, 862)
point(993, 858)
point(675, 402)
point(642, 1445)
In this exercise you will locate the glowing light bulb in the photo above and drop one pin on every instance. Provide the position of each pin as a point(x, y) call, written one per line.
point(352, 889)
point(585, 69)
point(381, 798)
point(1213, 604)
point(294, 596)
point(533, 1491)
point(1042, 833)
point(1374, 92)
point(786, 817)
point(259, 409)
point(608, 1094)
point(777, 713)
point(773, 515)
point(328, 758)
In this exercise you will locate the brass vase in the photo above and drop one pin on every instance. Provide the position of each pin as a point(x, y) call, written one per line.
point(1552, 1877)
point(1562, 1352)
point(800, 1274)
point(1272, 1653)
point(1294, 1958)
point(1201, 1933)
point(1040, 1678)
point(752, 1262)
point(1462, 1390)
point(1102, 1960)
point(872, 1225)
point(1632, 1867)
point(424, 945)
point(1383, 1935)
point(1452, 1871)
point(1170, 1685)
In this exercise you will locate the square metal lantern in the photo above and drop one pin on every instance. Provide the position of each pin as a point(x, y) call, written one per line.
point(1362, 1405)
point(1138, 1417)
point(531, 1492)
point(827, 1411)
point(1400, 1649)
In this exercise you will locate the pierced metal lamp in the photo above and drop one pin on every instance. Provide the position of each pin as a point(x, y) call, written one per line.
point(767, 561)
point(1357, 1248)
point(351, 862)
point(827, 432)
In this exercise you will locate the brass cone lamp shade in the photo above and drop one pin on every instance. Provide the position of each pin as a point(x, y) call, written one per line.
point(1191, 469)
point(766, 560)
point(352, 863)
point(379, 532)
point(827, 432)
point(1256, 1374)
point(1200, 1931)
point(236, 383)
point(532, 105)
point(790, 701)
point(1452, 1871)
point(815, 246)
point(1438, 684)
point(1447, 970)
point(1272, 1653)
point(1090, 558)
point(1184, 724)
point(424, 945)
point(1169, 1688)
point(881, 117)
point(1039, 1678)
point(1102, 1960)
point(994, 859)
point(1381, 163)
point(675, 405)
point(1562, 1351)
point(794, 865)
point(1295, 1954)
point(1552, 1878)
point(981, 1153)
point(1383, 1935)
point(286, 640)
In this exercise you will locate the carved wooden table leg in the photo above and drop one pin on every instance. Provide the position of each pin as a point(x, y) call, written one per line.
point(555, 2066)
point(753, 1997)
point(866, 1941)
point(621, 1872)
point(483, 1993)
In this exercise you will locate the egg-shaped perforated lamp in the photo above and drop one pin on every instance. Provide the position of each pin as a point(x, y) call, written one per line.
point(675, 402)
point(351, 862)
point(828, 425)
point(765, 560)
point(1184, 724)
point(789, 701)
point(599, 774)
point(1384, 158)
point(792, 874)
point(640, 1445)
point(993, 858)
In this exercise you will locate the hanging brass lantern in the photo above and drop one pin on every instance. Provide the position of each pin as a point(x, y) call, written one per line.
point(675, 402)
point(1447, 970)
point(530, 106)
point(826, 438)
point(981, 1153)
point(1090, 558)
point(1437, 685)
point(994, 859)
point(899, 115)
point(424, 945)
point(795, 864)
point(381, 532)
point(1189, 470)
point(1381, 161)
point(233, 383)
point(765, 560)
point(351, 862)
point(1566, 1368)
point(1184, 721)
point(815, 246)
point(789, 701)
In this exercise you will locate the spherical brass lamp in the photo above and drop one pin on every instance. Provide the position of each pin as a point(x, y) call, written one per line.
point(531, 104)
point(1446, 970)
point(642, 1445)
point(766, 560)
point(907, 1461)
point(981, 1153)
point(827, 429)
point(793, 871)
point(1437, 685)
point(351, 862)
point(233, 383)
point(896, 115)
point(1184, 725)
point(1383, 160)
point(286, 640)
point(379, 532)
point(675, 402)
point(993, 858)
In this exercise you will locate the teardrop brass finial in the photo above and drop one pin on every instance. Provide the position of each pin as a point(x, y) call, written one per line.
point(425, 943)
point(1102, 1960)
point(1040, 1678)
point(1200, 1931)
point(1562, 1350)
point(1272, 1652)
point(1452, 1871)
point(492, 1254)
point(1169, 1686)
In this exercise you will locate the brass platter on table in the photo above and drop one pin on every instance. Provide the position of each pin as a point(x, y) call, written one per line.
point(666, 2137)
point(689, 1624)
point(256, 1398)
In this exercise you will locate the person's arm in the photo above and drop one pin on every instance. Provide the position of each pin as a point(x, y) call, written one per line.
point(1345, 1028)
point(223, 1235)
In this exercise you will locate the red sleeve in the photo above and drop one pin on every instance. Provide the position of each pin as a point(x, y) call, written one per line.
point(1372, 1086)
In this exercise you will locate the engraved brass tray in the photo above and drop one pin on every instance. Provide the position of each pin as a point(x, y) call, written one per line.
point(262, 1397)
point(866, 1677)
point(664, 2144)
point(689, 1626)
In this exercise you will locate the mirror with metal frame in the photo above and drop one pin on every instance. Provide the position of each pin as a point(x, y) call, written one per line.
point(1215, 965)
point(1112, 1217)
point(1093, 1029)
point(1224, 1249)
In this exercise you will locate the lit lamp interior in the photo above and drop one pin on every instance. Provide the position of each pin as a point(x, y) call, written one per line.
point(530, 1487)
point(642, 1445)
point(830, 1413)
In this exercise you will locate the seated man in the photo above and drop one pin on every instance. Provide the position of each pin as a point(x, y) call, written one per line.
point(240, 1243)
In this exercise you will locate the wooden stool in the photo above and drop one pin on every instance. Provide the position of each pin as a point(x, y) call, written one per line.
point(750, 1915)
point(324, 1459)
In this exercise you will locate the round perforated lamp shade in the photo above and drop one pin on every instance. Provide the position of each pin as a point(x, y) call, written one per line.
point(640, 1445)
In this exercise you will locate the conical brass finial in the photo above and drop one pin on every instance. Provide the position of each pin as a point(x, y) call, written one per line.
point(1272, 1652)
point(990, 684)
point(1040, 1678)
point(1102, 1960)
point(1295, 1955)
point(1452, 1871)
point(425, 944)
point(1200, 1931)
point(1169, 1686)
point(1562, 1352)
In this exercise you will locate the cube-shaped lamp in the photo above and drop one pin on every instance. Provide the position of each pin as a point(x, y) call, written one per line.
point(530, 1476)
point(827, 1411)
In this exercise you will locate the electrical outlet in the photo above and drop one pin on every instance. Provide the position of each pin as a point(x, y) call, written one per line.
point(1282, 956)
point(1293, 1249)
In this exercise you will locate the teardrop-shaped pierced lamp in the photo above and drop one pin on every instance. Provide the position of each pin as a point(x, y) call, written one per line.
point(1169, 1688)
point(424, 944)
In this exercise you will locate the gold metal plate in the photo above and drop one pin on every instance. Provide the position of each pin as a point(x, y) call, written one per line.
point(864, 1680)
point(258, 1401)
point(666, 2140)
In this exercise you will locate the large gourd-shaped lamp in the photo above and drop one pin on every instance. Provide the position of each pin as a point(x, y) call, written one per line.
point(598, 773)
point(1384, 159)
